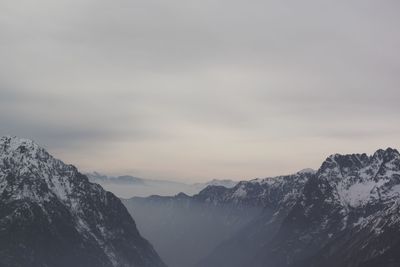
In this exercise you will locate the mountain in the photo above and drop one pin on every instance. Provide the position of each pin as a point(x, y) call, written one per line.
point(347, 214)
point(363, 194)
point(129, 186)
point(51, 215)
point(185, 229)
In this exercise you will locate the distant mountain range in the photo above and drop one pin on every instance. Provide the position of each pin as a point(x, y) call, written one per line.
point(129, 186)
point(51, 215)
point(345, 214)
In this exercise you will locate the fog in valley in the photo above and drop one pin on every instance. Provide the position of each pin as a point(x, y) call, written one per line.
point(184, 229)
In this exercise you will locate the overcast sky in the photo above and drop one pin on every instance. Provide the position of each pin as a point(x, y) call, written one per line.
point(194, 90)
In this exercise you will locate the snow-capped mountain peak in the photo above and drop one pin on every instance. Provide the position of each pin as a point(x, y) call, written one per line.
point(36, 174)
point(16, 152)
point(359, 178)
point(59, 212)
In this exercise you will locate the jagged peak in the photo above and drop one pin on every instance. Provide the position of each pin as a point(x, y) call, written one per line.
point(21, 149)
point(360, 177)
point(358, 160)
point(31, 167)
point(22, 152)
point(348, 158)
point(387, 153)
point(14, 143)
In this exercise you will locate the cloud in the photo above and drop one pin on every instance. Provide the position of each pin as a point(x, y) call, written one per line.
point(255, 85)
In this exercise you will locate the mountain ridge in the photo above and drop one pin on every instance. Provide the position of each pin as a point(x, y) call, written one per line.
point(347, 194)
point(51, 215)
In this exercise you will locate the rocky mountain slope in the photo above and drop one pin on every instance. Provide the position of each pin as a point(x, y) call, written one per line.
point(346, 215)
point(51, 215)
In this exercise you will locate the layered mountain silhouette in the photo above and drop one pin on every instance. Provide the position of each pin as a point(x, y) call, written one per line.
point(51, 215)
point(127, 186)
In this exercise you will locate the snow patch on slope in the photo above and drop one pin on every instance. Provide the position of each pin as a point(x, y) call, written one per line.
point(359, 194)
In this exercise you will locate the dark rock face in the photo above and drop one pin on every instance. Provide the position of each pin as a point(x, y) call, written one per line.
point(51, 215)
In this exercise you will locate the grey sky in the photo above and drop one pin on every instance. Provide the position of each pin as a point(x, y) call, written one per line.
point(194, 90)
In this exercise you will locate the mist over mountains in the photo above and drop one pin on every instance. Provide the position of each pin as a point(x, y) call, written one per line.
point(127, 186)
point(191, 127)
point(185, 229)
